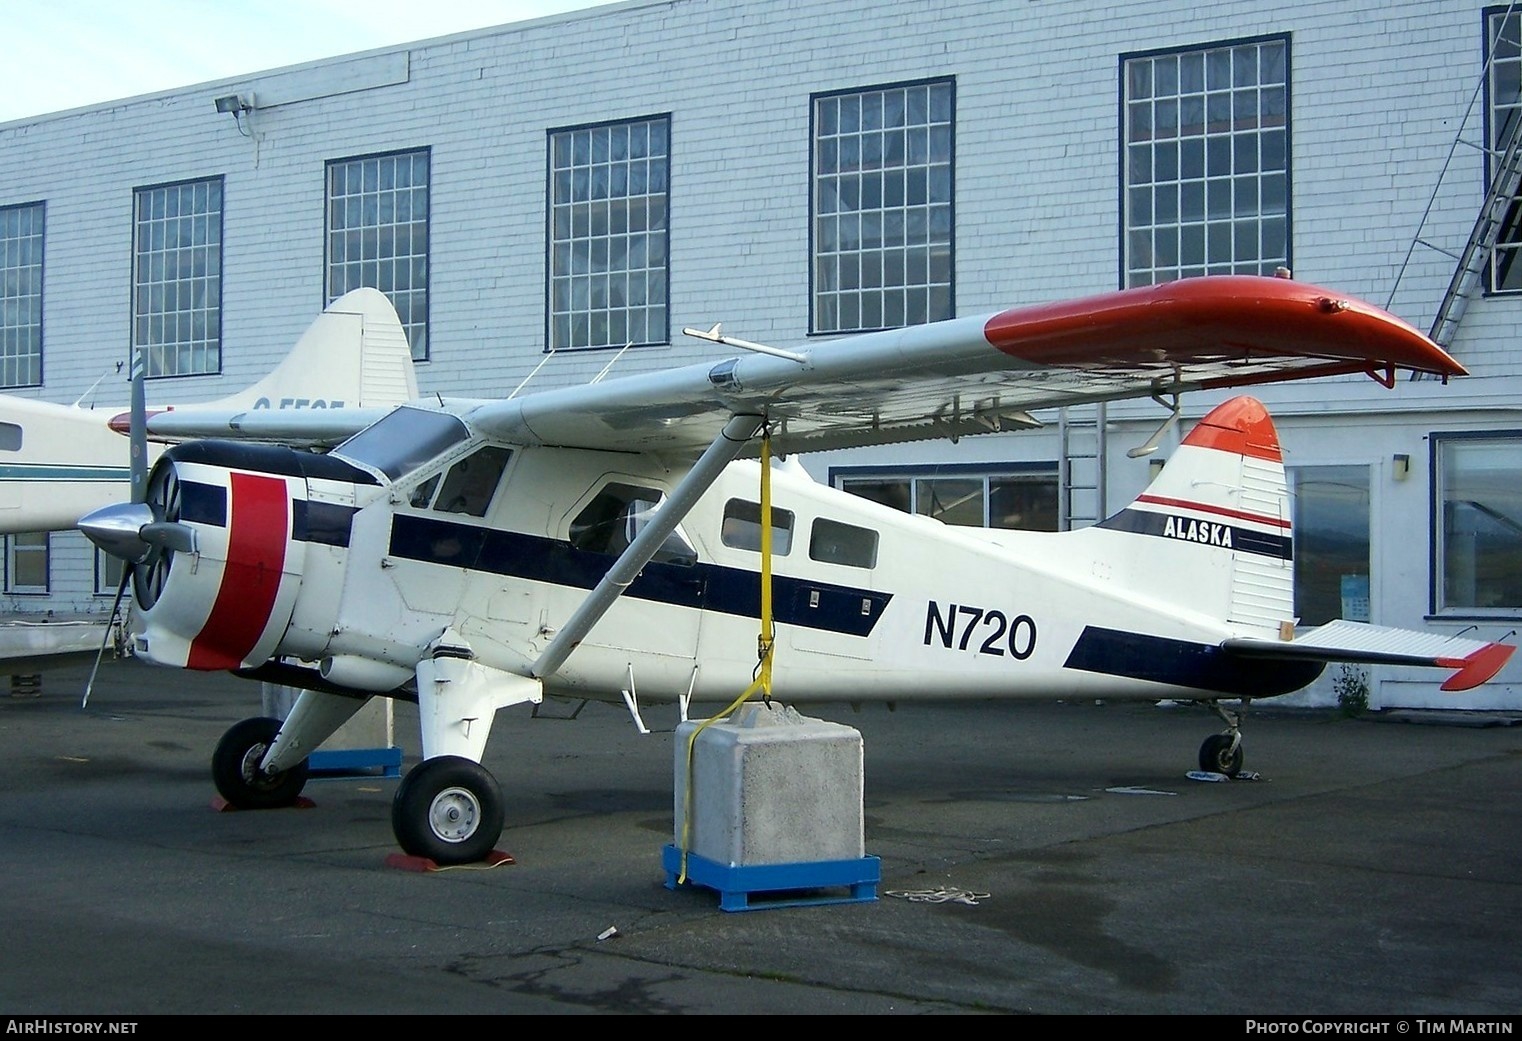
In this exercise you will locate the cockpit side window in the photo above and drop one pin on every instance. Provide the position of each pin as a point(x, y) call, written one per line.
point(471, 483)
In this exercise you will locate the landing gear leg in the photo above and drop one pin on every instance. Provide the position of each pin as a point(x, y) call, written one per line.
point(1222, 753)
point(236, 771)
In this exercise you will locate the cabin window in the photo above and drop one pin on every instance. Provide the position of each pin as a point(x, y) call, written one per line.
point(1477, 493)
point(21, 230)
point(377, 234)
point(742, 527)
point(607, 234)
point(10, 437)
point(177, 277)
point(882, 207)
point(471, 483)
point(1205, 161)
point(616, 516)
point(835, 543)
point(26, 563)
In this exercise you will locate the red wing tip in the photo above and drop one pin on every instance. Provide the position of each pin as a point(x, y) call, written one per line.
point(1477, 668)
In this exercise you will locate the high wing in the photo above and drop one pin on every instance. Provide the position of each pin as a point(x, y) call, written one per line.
point(953, 378)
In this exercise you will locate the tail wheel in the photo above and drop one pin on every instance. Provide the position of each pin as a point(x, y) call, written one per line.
point(235, 768)
point(449, 810)
point(1221, 754)
point(163, 498)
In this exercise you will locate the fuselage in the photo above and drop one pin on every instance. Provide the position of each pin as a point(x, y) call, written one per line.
point(355, 563)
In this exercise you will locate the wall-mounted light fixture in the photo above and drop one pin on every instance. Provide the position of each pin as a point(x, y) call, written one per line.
point(1400, 466)
point(241, 106)
point(237, 104)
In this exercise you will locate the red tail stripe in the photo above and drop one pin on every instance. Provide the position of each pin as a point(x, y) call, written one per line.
point(256, 539)
point(1185, 504)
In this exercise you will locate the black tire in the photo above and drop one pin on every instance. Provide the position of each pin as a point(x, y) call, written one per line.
point(1218, 757)
point(449, 810)
point(235, 768)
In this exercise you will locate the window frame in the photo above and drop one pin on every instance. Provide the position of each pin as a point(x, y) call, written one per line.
point(895, 309)
point(371, 271)
point(1508, 248)
point(586, 191)
point(142, 287)
point(30, 331)
point(1293, 476)
point(1229, 194)
point(1437, 530)
point(44, 549)
point(987, 472)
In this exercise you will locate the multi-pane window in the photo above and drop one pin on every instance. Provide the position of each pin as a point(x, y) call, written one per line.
point(608, 267)
point(177, 277)
point(108, 573)
point(882, 207)
point(998, 499)
point(377, 234)
point(1331, 528)
point(21, 295)
point(1503, 88)
point(1478, 510)
point(1205, 165)
point(26, 563)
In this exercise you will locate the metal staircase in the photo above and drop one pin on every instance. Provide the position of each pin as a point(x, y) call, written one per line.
point(1081, 466)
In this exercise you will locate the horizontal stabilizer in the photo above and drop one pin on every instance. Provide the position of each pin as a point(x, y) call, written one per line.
point(1477, 661)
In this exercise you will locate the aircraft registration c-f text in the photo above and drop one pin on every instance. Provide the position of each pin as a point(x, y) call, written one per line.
point(962, 627)
point(298, 403)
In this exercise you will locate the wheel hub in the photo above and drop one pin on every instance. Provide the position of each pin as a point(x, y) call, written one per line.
point(454, 815)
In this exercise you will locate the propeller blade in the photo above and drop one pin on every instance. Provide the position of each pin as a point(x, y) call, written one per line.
point(121, 588)
point(137, 430)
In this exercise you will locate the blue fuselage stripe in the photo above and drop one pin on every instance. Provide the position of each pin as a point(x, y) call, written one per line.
point(1111, 652)
point(736, 591)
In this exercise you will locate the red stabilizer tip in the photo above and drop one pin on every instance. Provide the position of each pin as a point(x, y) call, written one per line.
point(1476, 669)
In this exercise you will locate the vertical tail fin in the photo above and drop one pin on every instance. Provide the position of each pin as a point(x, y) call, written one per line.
point(1219, 520)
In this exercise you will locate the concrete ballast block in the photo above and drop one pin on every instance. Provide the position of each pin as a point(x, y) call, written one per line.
point(769, 786)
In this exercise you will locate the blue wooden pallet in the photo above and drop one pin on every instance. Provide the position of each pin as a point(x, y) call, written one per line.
point(757, 886)
point(351, 762)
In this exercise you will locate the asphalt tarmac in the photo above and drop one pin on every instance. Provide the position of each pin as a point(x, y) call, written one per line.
point(1045, 859)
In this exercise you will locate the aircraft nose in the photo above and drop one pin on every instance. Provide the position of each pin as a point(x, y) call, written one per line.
point(117, 529)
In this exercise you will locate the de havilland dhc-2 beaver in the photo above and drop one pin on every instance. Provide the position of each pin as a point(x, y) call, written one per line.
point(638, 534)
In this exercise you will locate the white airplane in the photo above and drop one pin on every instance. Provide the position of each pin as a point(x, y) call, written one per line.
point(631, 540)
point(60, 462)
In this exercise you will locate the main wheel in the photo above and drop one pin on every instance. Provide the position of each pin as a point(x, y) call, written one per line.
point(235, 768)
point(1217, 755)
point(448, 809)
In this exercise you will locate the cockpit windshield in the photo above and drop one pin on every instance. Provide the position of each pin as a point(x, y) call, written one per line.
point(403, 441)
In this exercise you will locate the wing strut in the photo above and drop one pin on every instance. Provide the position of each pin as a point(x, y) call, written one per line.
point(725, 448)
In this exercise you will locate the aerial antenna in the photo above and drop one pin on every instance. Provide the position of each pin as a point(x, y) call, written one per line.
point(542, 362)
point(715, 336)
